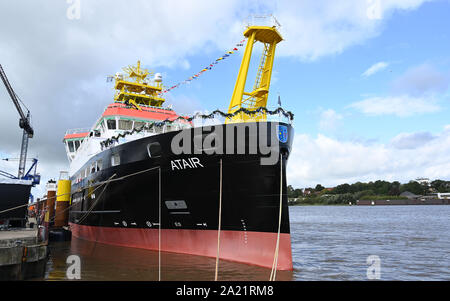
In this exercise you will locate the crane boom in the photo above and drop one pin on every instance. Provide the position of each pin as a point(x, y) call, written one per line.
point(24, 120)
point(24, 123)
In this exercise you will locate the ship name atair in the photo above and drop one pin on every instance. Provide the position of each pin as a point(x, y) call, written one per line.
point(178, 164)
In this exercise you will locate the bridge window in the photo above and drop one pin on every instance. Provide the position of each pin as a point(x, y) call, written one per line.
point(102, 127)
point(77, 144)
point(71, 148)
point(125, 124)
point(111, 124)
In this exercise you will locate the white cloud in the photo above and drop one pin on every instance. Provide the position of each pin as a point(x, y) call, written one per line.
point(313, 29)
point(329, 120)
point(375, 68)
point(401, 106)
point(331, 162)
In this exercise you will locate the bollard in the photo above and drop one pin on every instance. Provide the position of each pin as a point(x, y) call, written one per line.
point(62, 200)
point(51, 198)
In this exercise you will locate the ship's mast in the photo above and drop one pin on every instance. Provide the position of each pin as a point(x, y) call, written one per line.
point(134, 88)
point(269, 37)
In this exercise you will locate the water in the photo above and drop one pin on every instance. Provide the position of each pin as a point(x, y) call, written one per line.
point(328, 243)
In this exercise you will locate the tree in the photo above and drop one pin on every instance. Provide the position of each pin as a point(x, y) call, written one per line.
point(290, 192)
point(441, 186)
point(414, 187)
point(394, 188)
point(319, 187)
point(343, 188)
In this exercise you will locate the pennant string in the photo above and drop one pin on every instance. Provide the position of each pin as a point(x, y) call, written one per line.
point(209, 67)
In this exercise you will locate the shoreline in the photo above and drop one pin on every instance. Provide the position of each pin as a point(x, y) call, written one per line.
point(381, 202)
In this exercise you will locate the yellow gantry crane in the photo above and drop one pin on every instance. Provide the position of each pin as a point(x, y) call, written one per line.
point(269, 37)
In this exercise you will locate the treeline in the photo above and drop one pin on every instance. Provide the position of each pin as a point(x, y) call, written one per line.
point(345, 193)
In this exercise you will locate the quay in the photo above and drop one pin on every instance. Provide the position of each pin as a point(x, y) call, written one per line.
point(22, 254)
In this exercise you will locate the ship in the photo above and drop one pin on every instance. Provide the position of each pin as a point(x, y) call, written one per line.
point(146, 177)
point(15, 194)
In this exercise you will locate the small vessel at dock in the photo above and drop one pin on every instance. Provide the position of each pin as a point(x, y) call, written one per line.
point(146, 177)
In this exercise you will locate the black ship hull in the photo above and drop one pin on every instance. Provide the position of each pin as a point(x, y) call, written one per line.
point(14, 193)
point(156, 199)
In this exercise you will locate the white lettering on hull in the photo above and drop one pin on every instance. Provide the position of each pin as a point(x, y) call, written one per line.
point(179, 164)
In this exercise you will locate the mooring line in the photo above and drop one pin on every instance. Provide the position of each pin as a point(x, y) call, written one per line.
point(159, 228)
point(99, 184)
point(79, 190)
point(83, 217)
point(273, 273)
point(220, 223)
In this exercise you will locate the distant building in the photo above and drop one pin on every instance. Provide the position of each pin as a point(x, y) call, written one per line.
point(443, 195)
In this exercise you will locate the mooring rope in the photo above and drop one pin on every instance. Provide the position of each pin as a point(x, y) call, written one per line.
point(40, 201)
point(220, 223)
point(99, 184)
point(273, 273)
point(83, 217)
point(159, 228)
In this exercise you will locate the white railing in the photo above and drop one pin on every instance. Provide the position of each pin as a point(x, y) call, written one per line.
point(262, 20)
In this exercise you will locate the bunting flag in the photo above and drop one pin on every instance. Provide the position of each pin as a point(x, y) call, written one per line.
point(207, 68)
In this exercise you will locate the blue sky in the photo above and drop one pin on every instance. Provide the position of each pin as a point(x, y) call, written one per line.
point(370, 95)
point(407, 40)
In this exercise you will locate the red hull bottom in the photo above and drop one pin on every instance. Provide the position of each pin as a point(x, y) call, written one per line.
point(256, 248)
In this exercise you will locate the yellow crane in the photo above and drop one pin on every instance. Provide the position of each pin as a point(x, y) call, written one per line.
point(269, 37)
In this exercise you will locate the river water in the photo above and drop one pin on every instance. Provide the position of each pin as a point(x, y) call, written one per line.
point(328, 243)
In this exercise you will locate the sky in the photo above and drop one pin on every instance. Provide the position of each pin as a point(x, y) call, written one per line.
point(367, 80)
